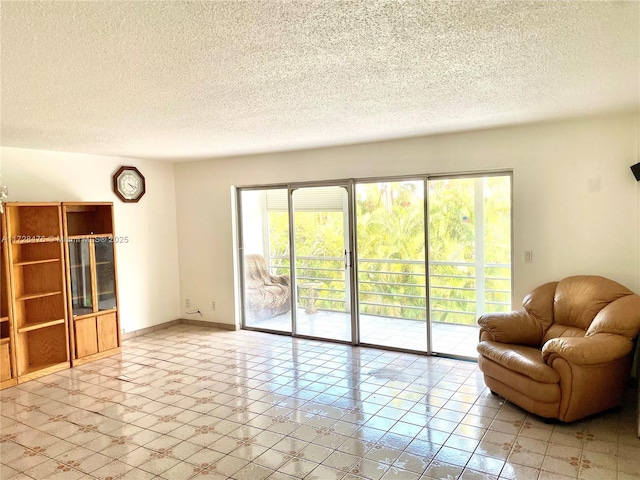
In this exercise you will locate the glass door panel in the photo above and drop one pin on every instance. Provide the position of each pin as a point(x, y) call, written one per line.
point(469, 258)
point(400, 303)
point(105, 273)
point(321, 236)
point(265, 256)
point(391, 264)
point(80, 271)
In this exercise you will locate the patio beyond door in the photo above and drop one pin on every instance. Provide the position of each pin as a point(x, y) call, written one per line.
point(407, 264)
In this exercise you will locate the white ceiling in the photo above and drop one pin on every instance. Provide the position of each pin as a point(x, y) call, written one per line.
point(181, 80)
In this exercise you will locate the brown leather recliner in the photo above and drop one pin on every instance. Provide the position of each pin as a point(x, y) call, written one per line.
point(568, 354)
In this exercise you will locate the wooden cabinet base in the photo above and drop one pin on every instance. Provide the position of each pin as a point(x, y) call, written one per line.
point(6, 375)
point(5, 361)
point(12, 382)
point(86, 339)
point(90, 358)
point(32, 374)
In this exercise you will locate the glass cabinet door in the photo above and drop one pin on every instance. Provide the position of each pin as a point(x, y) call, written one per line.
point(105, 274)
point(81, 291)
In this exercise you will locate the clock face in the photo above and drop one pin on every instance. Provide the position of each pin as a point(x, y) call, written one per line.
point(129, 184)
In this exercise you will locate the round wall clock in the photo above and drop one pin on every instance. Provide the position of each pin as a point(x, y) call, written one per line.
point(128, 184)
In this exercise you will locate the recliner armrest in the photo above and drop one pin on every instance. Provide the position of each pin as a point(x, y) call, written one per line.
point(511, 327)
point(592, 350)
point(280, 279)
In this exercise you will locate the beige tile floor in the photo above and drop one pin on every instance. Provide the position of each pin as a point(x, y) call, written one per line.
point(190, 402)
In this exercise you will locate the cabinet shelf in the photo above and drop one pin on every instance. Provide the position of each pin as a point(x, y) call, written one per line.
point(31, 296)
point(31, 373)
point(88, 220)
point(38, 325)
point(4, 319)
point(4, 341)
point(82, 312)
point(92, 314)
point(79, 297)
point(37, 262)
point(25, 254)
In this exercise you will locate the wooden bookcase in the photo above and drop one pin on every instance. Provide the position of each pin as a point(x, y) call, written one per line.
point(38, 295)
point(8, 374)
point(91, 281)
point(58, 289)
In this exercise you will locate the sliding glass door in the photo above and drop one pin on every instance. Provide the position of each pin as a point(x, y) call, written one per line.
point(429, 256)
point(321, 244)
point(266, 285)
point(391, 264)
point(469, 234)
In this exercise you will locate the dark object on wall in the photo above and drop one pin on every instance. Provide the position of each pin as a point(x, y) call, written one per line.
point(129, 184)
point(636, 170)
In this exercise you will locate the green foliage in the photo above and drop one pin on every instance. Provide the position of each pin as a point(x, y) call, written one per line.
point(391, 252)
point(452, 239)
point(390, 229)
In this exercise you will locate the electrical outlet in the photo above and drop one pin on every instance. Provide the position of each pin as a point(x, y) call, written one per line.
point(213, 306)
point(187, 303)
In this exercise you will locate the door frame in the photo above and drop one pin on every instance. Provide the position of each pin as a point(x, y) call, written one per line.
point(240, 257)
point(352, 271)
point(349, 235)
point(474, 175)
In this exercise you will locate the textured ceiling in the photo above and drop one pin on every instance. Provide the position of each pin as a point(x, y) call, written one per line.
point(181, 80)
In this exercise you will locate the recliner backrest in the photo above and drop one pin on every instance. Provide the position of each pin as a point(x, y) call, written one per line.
point(256, 271)
point(584, 305)
point(620, 317)
point(579, 299)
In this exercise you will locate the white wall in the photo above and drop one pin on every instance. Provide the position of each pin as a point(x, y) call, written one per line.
point(148, 272)
point(576, 203)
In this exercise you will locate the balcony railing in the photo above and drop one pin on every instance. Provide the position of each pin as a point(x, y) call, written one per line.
point(396, 288)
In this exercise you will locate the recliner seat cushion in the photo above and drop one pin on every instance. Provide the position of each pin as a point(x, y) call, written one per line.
point(557, 331)
point(522, 359)
point(505, 381)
